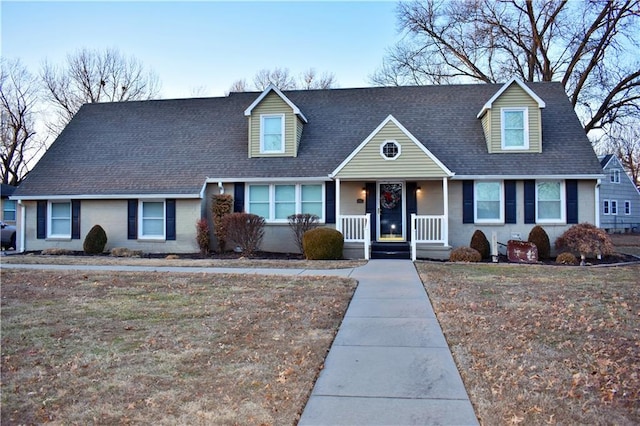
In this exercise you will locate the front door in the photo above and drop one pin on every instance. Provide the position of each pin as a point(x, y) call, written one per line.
point(391, 215)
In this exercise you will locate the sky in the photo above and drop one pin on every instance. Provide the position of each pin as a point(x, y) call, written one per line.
point(203, 47)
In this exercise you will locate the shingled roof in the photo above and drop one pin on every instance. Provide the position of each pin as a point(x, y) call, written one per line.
point(171, 147)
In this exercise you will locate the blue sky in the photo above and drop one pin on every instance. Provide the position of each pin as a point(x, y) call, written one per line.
point(208, 44)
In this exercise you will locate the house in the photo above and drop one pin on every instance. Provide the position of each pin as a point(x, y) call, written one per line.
point(619, 198)
point(392, 168)
point(7, 206)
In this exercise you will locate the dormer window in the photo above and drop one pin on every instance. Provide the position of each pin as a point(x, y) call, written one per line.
point(272, 133)
point(515, 128)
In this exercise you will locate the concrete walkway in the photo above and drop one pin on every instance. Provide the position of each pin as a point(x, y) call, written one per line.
point(389, 363)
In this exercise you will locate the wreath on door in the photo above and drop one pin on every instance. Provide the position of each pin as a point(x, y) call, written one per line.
point(390, 196)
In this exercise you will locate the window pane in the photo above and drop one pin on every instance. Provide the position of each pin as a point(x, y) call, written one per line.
point(514, 120)
point(488, 200)
point(153, 210)
point(259, 200)
point(152, 227)
point(61, 219)
point(61, 210)
point(549, 200)
point(549, 191)
point(272, 133)
point(312, 199)
point(9, 212)
point(285, 201)
point(60, 227)
point(549, 210)
point(513, 138)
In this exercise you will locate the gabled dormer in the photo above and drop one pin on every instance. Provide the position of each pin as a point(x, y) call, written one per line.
point(275, 125)
point(512, 119)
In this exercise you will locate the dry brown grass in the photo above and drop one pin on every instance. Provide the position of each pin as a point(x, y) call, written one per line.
point(543, 344)
point(149, 348)
point(31, 259)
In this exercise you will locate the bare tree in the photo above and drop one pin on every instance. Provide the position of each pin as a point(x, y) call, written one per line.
point(18, 97)
point(279, 77)
point(93, 76)
point(589, 46)
point(283, 80)
point(623, 140)
point(311, 80)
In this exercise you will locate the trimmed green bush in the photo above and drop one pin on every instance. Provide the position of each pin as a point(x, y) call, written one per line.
point(95, 241)
point(566, 258)
point(465, 254)
point(480, 243)
point(539, 237)
point(323, 244)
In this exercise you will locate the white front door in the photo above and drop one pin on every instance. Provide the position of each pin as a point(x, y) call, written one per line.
point(391, 211)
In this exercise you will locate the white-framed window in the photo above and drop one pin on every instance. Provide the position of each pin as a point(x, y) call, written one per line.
point(627, 207)
point(59, 215)
point(614, 207)
point(489, 202)
point(615, 176)
point(606, 209)
point(515, 128)
point(276, 202)
point(550, 201)
point(9, 210)
point(390, 150)
point(152, 220)
point(272, 133)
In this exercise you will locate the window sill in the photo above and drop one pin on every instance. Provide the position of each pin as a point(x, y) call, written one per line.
point(54, 238)
point(151, 240)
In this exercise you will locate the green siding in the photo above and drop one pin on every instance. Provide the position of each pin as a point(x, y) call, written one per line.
point(515, 97)
point(412, 162)
point(273, 104)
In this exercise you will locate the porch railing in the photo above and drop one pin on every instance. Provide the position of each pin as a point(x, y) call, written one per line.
point(427, 229)
point(424, 229)
point(357, 228)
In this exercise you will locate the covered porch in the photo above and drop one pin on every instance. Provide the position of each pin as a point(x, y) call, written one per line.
point(393, 218)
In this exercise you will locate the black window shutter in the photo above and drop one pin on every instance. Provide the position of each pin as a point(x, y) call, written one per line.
point(238, 197)
point(510, 201)
point(330, 202)
point(75, 219)
point(467, 201)
point(132, 220)
point(571, 186)
point(41, 219)
point(412, 204)
point(529, 201)
point(371, 206)
point(171, 219)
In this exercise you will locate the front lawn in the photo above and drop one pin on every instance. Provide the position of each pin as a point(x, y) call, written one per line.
point(542, 344)
point(150, 348)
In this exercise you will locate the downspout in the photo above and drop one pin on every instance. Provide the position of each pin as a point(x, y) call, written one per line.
point(23, 227)
point(597, 203)
point(221, 188)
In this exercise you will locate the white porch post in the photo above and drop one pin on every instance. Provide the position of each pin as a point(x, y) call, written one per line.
point(445, 197)
point(414, 244)
point(338, 218)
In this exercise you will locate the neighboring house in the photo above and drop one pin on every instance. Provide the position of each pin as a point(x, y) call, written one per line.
point(425, 166)
point(619, 198)
point(9, 207)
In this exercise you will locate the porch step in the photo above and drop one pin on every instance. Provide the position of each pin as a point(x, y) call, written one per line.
point(400, 250)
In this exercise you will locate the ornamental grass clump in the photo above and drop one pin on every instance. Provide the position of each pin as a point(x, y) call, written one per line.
point(323, 244)
point(480, 243)
point(539, 237)
point(585, 240)
point(566, 258)
point(95, 241)
point(465, 254)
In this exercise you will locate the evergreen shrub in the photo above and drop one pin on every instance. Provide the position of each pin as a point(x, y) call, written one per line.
point(480, 243)
point(539, 237)
point(323, 244)
point(95, 241)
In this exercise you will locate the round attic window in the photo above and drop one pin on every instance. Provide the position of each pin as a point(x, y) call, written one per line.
point(390, 150)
